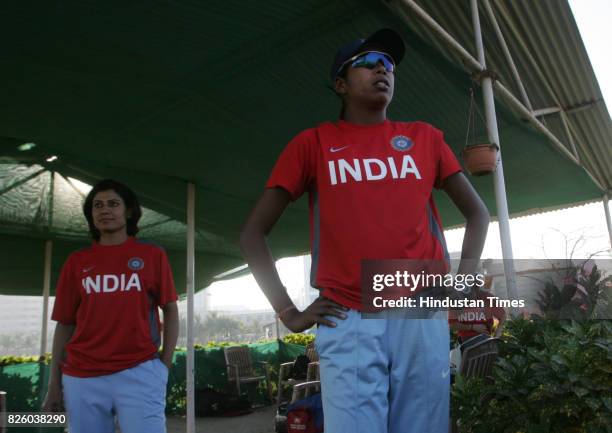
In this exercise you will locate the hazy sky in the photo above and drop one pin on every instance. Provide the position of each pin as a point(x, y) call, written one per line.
point(594, 19)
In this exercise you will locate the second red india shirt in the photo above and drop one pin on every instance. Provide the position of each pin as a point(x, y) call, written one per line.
point(112, 294)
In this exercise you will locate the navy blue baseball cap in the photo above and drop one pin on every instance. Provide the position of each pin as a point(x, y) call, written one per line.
point(388, 40)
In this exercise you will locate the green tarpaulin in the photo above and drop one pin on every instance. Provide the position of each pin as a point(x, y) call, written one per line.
point(159, 94)
point(22, 382)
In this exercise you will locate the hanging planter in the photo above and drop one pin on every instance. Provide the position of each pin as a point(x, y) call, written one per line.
point(479, 159)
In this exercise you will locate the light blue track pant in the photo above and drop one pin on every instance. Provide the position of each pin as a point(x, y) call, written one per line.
point(385, 375)
point(137, 396)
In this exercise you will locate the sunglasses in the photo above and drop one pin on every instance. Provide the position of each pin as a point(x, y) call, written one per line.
point(369, 60)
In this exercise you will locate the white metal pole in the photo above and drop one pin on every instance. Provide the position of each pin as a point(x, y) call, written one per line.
point(47, 269)
point(439, 30)
point(190, 292)
point(498, 175)
point(606, 199)
point(568, 132)
point(506, 51)
point(46, 290)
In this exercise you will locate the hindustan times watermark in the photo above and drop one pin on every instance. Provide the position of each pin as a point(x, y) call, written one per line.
point(578, 289)
point(446, 303)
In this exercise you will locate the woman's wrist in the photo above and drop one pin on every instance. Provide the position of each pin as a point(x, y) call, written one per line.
point(283, 313)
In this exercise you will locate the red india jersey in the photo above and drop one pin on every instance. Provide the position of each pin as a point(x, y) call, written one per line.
point(477, 316)
point(112, 294)
point(370, 197)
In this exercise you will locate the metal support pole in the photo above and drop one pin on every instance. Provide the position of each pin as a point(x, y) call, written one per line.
point(565, 122)
point(439, 30)
point(606, 199)
point(47, 268)
point(498, 175)
point(190, 292)
point(506, 51)
point(46, 291)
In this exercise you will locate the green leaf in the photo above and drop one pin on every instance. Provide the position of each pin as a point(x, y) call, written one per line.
point(593, 403)
point(580, 392)
point(558, 359)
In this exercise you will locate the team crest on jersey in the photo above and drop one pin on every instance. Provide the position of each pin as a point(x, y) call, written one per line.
point(401, 143)
point(136, 263)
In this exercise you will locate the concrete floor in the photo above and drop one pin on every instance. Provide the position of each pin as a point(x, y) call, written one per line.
point(260, 421)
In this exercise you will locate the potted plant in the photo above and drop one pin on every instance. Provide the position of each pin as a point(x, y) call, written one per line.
point(479, 159)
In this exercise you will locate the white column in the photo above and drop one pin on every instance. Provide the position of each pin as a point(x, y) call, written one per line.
point(47, 268)
point(606, 199)
point(498, 175)
point(277, 327)
point(190, 292)
point(46, 290)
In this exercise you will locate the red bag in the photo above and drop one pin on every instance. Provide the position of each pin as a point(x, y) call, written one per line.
point(300, 421)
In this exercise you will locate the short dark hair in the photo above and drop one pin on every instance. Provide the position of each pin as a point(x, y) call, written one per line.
point(132, 206)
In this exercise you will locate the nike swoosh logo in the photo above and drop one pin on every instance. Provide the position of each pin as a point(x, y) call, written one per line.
point(445, 373)
point(88, 269)
point(337, 149)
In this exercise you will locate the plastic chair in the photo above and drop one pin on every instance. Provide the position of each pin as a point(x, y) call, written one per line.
point(240, 368)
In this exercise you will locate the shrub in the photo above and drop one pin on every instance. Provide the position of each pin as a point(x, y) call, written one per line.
point(301, 339)
point(551, 376)
point(12, 360)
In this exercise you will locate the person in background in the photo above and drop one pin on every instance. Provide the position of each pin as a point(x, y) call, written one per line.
point(106, 361)
point(475, 324)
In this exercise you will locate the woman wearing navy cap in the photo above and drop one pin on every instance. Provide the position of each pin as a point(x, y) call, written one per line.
point(370, 183)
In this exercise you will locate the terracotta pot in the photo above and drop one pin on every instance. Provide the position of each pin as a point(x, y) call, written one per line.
point(480, 159)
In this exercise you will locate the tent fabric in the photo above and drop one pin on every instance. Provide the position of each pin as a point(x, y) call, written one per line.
point(37, 204)
point(161, 94)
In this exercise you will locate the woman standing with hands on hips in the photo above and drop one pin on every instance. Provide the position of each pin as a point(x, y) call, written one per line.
point(106, 359)
point(370, 183)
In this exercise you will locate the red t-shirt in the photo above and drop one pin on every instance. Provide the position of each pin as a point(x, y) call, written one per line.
point(476, 316)
point(112, 294)
point(370, 190)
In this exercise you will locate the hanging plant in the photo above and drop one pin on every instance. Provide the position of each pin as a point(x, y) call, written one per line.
point(479, 158)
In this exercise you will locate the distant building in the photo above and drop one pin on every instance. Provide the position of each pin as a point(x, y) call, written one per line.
point(22, 314)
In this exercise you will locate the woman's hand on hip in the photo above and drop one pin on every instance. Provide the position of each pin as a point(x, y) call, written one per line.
point(298, 321)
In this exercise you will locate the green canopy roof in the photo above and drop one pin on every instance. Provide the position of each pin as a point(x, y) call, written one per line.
point(163, 93)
